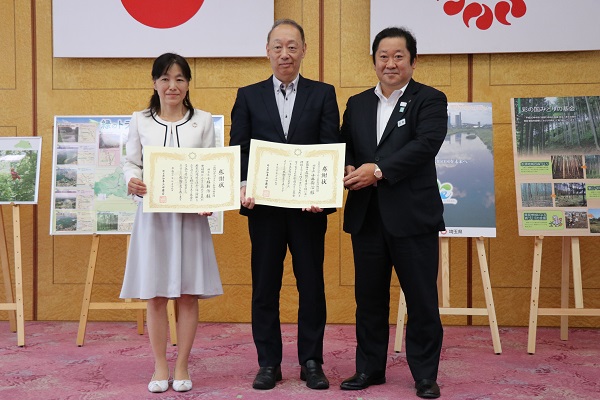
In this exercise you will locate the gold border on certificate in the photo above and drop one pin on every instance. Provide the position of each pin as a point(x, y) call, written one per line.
point(191, 180)
point(296, 176)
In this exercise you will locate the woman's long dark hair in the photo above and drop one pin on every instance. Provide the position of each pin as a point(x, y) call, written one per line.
point(159, 68)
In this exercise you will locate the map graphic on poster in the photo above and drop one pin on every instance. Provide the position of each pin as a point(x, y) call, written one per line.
point(19, 169)
point(556, 142)
point(89, 193)
point(465, 169)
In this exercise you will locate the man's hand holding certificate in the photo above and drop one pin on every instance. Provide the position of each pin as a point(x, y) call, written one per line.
point(296, 176)
point(191, 180)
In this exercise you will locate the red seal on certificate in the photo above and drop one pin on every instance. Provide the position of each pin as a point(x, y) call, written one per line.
point(266, 193)
point(162, 199)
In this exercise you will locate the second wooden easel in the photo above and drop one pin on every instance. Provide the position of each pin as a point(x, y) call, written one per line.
point(13, 306)
point(570, 247)
point(126, 305)
point(444, 290)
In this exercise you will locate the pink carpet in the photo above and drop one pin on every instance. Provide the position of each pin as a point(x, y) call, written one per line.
point(115, 363)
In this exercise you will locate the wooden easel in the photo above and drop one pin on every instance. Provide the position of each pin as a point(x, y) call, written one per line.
point(444, 290)
point(16, 322)
point(126, 305)
point(570, 247)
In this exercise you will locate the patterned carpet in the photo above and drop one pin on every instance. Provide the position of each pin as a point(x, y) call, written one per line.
point(115, 363)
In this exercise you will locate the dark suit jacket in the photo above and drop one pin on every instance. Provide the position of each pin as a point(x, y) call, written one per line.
point(315, 119)
point(409, 198)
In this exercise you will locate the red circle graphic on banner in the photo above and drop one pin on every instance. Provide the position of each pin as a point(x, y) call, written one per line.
point(484, 16)
point(157, 14)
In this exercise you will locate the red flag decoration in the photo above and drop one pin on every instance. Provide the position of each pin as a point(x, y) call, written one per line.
point(148, 28)
point(154, 14)
point(492, 26)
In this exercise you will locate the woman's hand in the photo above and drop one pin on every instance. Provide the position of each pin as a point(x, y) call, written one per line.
point(247, 202)
point(136, 186)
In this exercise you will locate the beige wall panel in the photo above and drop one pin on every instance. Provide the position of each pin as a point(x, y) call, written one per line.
point(8, 130)
point(8, 77)
point(102, 86)
point(75, 87)
point(555, 69)
point(101, 73)
point(16, 120)
point(217, 72)
point(354, 73)
point(121, 86)
point(497, 78)
point(233, 250)
point(73, 265)
point(354, 59)
point(217, 102)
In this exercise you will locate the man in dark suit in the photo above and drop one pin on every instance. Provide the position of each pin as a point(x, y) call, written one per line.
point(394, 211)
point(286, 108)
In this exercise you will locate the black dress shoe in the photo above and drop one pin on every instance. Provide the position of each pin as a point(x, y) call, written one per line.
point(266, 377)
point(361, 381)
point(427, 389)
point(313, 374)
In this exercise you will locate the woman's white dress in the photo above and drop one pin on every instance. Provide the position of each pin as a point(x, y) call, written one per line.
point(170, 254)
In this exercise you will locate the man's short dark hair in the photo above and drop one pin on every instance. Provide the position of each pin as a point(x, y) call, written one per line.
point(286, 21)
point(392, 32)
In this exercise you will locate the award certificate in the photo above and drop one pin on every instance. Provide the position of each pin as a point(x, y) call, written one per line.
point(191, 180)
point(296, 176)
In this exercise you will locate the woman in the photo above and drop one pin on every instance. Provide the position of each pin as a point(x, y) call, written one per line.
point(171, 255)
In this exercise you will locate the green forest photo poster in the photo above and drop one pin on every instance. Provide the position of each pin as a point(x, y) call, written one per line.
point(556, 142)
point(19, 169)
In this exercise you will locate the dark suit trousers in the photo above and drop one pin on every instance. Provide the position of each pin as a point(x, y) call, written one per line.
point(272, 230)
point(415, 259)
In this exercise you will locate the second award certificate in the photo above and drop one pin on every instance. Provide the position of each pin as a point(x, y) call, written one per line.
point(189, 180)
point(296, 176)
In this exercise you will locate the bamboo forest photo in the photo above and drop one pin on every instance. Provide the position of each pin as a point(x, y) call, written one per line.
point(546, 125)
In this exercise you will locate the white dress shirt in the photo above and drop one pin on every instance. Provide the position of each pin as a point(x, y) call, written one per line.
point(285, 101)
point(385, 107)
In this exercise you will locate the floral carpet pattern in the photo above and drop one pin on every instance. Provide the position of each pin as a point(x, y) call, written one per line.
point(115, 363)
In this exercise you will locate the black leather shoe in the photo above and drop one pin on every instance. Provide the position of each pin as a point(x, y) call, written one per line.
point(313, 374)
point(361, 381)
point(266, 378)
point(427, 389)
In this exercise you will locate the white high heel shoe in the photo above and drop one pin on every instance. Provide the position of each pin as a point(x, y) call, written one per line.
point(182, 385)
point(158, 386)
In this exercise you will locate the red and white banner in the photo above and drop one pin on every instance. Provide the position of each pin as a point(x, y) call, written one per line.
point(493, 26)
point(148, 28)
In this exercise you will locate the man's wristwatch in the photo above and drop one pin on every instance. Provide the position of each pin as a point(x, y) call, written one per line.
point(378, 174)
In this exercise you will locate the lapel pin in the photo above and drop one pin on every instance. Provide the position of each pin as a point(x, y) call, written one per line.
point(402, 106)
point(402, 122)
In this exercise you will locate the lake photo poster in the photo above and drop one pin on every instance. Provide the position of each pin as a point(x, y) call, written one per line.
point(465, 169)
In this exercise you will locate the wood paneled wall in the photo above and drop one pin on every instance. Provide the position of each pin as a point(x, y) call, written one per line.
point(34, 87)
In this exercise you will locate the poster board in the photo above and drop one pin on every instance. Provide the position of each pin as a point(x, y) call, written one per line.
point(556, 143)
point(19, 169)
point(465, 169)
point(89, 193)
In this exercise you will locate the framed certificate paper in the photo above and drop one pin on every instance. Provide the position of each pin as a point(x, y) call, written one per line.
point(296, 176)
point(191, 180)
